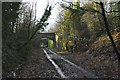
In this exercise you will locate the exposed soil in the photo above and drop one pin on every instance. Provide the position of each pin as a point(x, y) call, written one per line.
point(100, 61)
point(36, 66)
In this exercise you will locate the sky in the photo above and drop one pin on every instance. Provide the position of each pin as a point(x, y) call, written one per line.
point(41, 5)
point(54, 12)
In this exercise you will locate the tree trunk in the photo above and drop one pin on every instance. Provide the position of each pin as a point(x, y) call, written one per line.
point(108, 32)
point(119, 12)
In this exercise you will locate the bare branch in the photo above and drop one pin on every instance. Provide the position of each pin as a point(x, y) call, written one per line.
point(80, 8)
point(35, 14)
point(113, 11)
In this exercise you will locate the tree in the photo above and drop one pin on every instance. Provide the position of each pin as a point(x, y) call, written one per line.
point(93, 20)
point(102, 12)
point(19, 28)
point(113, 16)
point(9, 18)
point(108, 32)
point(9, 14)
point(40, 25)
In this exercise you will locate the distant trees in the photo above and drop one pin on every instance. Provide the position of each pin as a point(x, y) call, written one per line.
point(39, 26)
point(9, 14)
point(19, 25)
point(90, 21)
point(93, 20)
point(108, 32)
point(9, 17)
point(113, 16)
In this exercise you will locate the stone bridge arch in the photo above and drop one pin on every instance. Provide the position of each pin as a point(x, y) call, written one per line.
point(51, 36)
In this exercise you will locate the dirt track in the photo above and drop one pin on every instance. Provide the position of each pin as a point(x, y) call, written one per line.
point(37, 66)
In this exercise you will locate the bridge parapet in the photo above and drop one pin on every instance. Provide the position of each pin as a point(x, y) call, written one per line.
point(47, 35)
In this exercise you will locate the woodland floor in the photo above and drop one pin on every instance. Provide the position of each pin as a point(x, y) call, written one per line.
point(102, 61)
point(36, 66)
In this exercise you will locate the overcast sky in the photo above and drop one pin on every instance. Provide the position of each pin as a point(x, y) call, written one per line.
point(41, 5)
point(54, 12)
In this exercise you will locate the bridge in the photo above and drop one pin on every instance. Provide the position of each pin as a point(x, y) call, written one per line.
point(47, 36)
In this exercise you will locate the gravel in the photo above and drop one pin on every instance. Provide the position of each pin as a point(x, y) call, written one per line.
point(37, 66)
